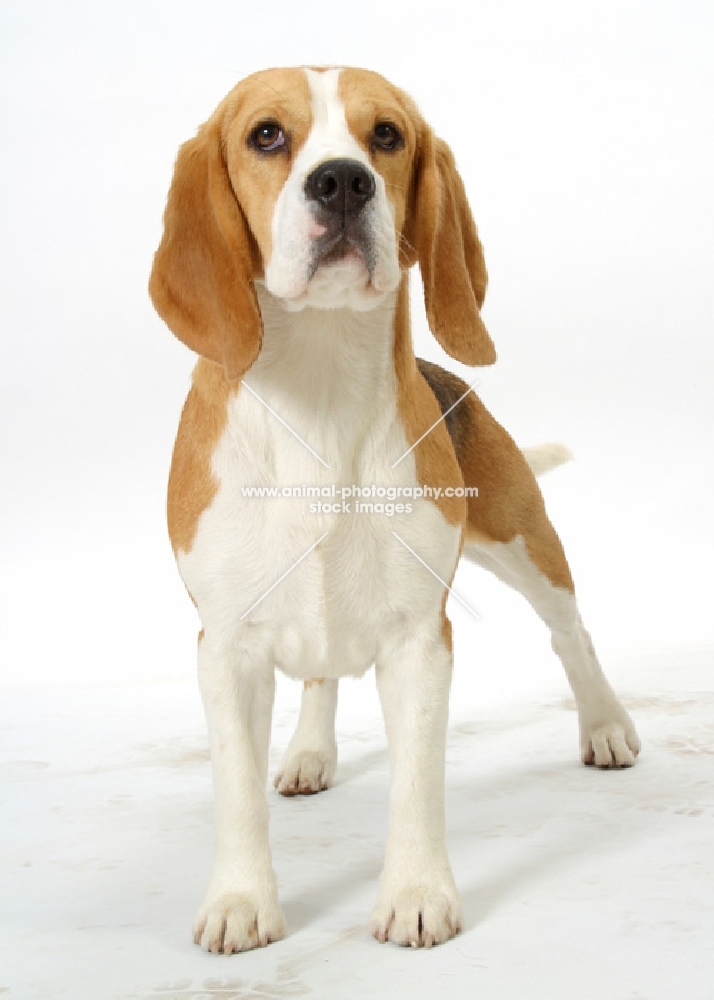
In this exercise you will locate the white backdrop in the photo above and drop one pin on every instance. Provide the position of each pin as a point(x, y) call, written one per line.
point(584, 134)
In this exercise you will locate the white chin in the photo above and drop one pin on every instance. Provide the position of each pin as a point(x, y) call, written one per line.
point(343, 284)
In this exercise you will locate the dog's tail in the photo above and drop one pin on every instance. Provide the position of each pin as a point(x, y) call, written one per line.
point(544, 457)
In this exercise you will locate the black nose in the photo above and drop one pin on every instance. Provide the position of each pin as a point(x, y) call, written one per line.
point(341, 186)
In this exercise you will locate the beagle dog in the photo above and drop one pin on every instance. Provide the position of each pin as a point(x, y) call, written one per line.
point(325, 481)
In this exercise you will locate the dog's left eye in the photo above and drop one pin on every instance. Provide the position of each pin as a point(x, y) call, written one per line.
point(386, 136)
point(267, 137)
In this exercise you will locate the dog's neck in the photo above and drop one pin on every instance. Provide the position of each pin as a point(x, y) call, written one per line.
point(326, 360)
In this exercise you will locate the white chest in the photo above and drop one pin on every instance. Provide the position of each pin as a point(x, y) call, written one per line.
point(301, 552)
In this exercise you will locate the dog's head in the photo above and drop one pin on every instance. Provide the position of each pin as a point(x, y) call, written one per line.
point(325, 185)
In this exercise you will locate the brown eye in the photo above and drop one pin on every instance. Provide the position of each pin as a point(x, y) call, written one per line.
point(267, 137)
point(386, 137)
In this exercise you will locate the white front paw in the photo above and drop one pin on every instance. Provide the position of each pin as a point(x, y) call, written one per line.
point(305, 772)
point(239, 921)
point(419, 914)
point(608, 738)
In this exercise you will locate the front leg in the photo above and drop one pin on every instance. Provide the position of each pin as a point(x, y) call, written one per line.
point(417, 902)
point(240, 910)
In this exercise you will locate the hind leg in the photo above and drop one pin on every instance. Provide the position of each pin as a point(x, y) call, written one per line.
point(607, 735)
point(308, 765)
point(510, 534)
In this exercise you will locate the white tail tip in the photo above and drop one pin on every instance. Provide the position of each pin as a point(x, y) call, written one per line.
point(544, 457)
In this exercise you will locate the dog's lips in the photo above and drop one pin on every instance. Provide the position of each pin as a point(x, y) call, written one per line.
point(344, 244)
point(343, 249)
point(337, 248)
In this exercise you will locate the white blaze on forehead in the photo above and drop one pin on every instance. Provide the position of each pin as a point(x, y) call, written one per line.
point(287, 274)
point(330, 135)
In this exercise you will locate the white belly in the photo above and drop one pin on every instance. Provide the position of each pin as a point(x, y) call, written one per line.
point(325, 613)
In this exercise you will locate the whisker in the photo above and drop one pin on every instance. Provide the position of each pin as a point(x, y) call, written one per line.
point(403, 259)
point(403, 239)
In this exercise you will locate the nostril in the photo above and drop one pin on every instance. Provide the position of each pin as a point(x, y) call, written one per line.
point(327, 185)
point(362, 185)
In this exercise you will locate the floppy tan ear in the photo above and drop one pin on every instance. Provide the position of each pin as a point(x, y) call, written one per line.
point(443, 233)
point(202, 279)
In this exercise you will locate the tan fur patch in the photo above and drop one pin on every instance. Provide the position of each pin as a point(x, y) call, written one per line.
point(509, 500)
point(435, 458)
point(192, 485)
point(312, 681)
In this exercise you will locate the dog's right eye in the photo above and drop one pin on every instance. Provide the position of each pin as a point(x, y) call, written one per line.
point(267, 137)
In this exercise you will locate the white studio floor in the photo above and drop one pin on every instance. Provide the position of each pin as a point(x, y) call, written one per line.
point(575, 883)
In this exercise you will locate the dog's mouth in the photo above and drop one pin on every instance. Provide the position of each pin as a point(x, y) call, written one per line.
point(341, 250)
point(342, 247)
